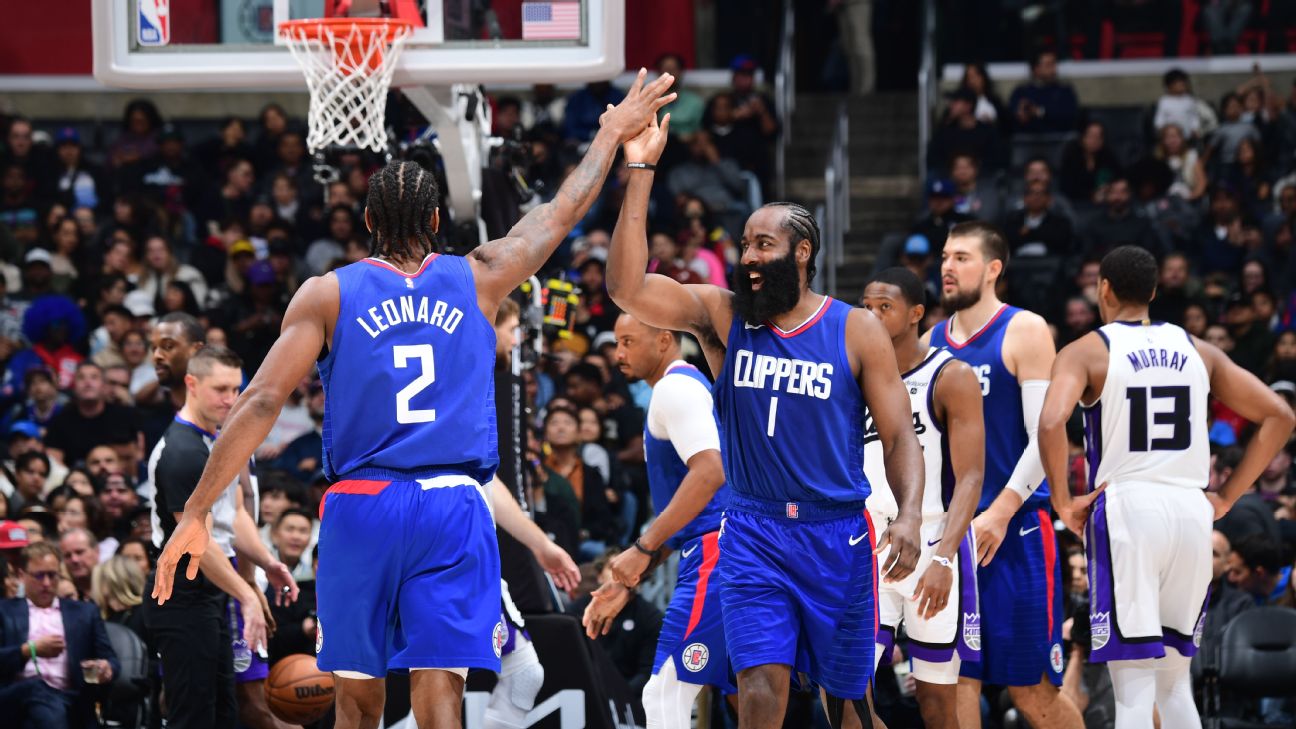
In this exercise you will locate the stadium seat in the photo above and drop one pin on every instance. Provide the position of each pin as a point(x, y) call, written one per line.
point(1257, 658)
point(128, 700)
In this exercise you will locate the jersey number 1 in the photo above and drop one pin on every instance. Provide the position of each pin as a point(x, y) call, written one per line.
point(403, 353)
point(1178, 417)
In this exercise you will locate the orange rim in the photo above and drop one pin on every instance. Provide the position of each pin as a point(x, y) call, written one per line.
point(314, 28)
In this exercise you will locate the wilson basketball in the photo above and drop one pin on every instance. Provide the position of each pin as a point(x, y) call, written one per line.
point(297, 691)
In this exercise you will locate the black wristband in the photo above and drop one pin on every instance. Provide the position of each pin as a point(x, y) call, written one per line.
point(641, 166)
point(652, 553)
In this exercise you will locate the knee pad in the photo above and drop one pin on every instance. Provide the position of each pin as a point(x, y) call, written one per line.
point(521, 677)
point(944, 673)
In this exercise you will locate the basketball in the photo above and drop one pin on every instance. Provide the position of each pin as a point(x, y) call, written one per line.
point(297, 691)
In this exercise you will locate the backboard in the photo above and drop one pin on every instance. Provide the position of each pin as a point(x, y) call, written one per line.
point(232, 44)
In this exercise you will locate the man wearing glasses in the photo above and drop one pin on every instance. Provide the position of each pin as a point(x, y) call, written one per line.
point(53, 654)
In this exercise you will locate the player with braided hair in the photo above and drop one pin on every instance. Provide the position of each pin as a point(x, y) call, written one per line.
point(409, 575)
point(794, 371)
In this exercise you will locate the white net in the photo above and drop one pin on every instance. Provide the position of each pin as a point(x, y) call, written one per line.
point(348, 68)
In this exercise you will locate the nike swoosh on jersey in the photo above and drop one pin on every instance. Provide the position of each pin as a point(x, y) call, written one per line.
point(687, 552)
point(1024, 532)
point(856, 540)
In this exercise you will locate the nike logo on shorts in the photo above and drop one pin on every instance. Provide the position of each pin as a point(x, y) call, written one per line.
point(686, 552)
point(856, 540)
point(1024, 532)
point(933, 543)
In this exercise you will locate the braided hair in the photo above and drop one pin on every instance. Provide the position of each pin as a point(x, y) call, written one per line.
point(801, 224)
point(402, 198)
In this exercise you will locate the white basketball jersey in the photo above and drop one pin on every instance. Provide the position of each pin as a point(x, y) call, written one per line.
point(1149, 424)
point(939, 481)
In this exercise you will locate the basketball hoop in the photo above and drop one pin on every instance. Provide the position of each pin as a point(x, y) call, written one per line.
point(348, 63)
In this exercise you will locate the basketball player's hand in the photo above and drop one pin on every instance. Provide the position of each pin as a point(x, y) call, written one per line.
point(629, 566)
point(254, 625)
point(271, 624)
point(932, 593)
point(281, 579)
point(1076, 513)
point(190, 537)
point(605, 604)
point(558, 564)
point(639, 107)
point(1218, 503)
point(902, 539)
point(648, 146)
point(988, 530)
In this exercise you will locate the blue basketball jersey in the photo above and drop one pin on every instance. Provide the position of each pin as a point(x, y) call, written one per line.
point(409, 380)
point(666, 472)
point(791, 412)
point(1005, 433)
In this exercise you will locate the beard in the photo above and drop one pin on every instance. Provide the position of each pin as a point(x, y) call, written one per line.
point(779, 292)
point(960, 300)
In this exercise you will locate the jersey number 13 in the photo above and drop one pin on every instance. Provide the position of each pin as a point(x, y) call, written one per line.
point(1177, 417)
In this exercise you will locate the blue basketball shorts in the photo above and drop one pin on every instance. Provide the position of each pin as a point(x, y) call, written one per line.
point(408, 577)
point(692, 633)
point(1021, 606)
point(798, 588)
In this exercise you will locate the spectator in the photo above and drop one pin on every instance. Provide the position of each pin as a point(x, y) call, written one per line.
point(1286, 131)
point(970, 196)
point(1276, 479)
point(30, 470)
point(1223, 603)
point(119, 501)
point(1178, 106)
point(161, 268)
point(584, 107)
point(137, 551)
point(988, 107)
point(960, 132)
point(291, 541)
point(741, 143)
point(753, 110)
point(562, 442)
point(20, 148)
point(1037, 231)
point(1249, 175)
point(1176, 291)
point(301, 457)
point(1118, 223)
point(1079, 317)
point(1252, 342)
point(118, 589)
point(43, 673)
point(935, 224)
point(1189, 180)
point(324, 252)
point(1225, 140)
point(90, 420)
point(80, 551)
point(1250, 514)
point(1256, 567)
point(232, 200)
point(1282, 365)
point(254, 318)
point(687, 108)
point(19, 211)
point(1088, 166)
point(219, 152)
point(65, 255)
point(1044, 105)
point(1220, 240)
point(716, 180)
point(138, 137)
point(631, 641)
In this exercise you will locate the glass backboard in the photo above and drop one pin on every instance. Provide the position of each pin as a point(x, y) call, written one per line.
point(214, 44)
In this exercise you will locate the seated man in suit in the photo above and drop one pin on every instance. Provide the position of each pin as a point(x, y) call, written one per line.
point(48, 648)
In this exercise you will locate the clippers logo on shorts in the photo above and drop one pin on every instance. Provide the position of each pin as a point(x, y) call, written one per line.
point(498, 637)
point(1055, 657)
point(695, 657)
point(793, 511)
point(154, 22)
point(972, 630)
point(1100, 624)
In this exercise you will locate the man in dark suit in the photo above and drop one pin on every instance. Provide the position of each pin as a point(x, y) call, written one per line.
point(47, 649)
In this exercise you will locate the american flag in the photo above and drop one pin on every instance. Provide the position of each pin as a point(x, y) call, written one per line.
point(551, 21)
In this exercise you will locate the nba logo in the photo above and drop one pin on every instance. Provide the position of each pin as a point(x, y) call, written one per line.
point(792, 510)
point(695, 657)
point(154, 22)
point(1100, 630)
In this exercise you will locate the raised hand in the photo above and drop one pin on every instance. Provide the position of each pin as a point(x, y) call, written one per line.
point(648, 145)
point(639, 107)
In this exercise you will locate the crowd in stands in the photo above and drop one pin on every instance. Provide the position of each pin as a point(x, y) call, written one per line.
point(1207, 186)
point(99, 242)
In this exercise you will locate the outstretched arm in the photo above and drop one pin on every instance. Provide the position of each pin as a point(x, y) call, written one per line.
point(654, 299)
point(552, 558)
point(302, 337)
point(1246, 395)
point(888, 402)
point(502, 265)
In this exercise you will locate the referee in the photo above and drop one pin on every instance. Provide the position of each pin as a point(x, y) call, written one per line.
point(192, 631)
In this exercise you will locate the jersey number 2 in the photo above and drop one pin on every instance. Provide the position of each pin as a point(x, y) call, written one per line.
point(403, 353)
point(1178, 417)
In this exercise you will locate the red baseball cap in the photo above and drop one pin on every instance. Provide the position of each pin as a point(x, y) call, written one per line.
point(12, 535)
